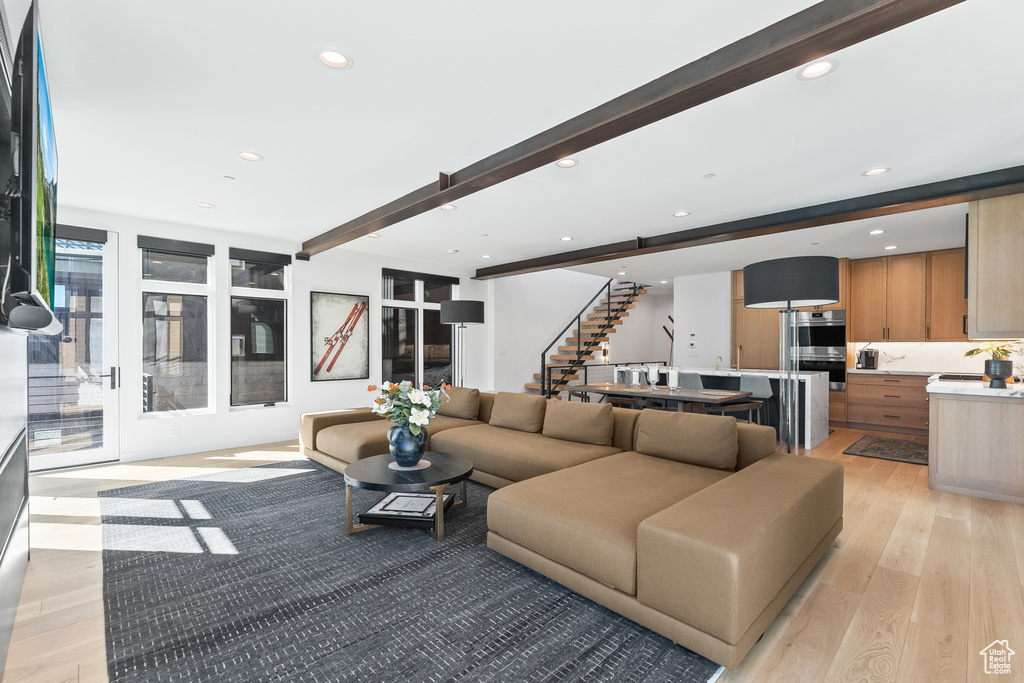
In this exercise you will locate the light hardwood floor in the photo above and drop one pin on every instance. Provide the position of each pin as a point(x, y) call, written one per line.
point(917, 583)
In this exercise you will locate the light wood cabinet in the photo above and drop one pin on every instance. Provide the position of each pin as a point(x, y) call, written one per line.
point(887, 297)
point(947, 306)
point(755, 332)
point(844, 290)
point(995, 276)
point(837, 406)
point(897, 403)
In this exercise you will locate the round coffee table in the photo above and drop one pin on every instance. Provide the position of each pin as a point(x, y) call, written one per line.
point(374, 474)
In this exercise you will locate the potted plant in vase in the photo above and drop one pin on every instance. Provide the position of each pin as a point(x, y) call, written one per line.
point(998, 369)
point(411, 410)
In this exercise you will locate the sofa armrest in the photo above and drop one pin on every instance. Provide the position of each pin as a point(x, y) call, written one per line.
point(718, 558)
point(755, 442)
point(311, 423)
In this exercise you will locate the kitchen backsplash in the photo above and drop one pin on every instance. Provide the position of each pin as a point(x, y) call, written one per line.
point(933, 357)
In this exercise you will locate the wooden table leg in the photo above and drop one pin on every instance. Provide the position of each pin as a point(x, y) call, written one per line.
point(351, 528)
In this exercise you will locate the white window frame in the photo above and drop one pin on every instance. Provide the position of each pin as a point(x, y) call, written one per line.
point(419, 305)
point(151, 286)
point(284, 295)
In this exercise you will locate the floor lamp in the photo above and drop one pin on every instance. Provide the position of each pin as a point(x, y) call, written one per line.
point(462, 312)
point(789, 283)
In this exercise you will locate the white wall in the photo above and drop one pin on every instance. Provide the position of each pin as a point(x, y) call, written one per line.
point(640, 337)
point(220, 426)
point(937, 357)
point(703, 306)
point(530, 310)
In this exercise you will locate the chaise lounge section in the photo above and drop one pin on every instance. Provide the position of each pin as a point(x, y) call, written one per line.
point(702, 533)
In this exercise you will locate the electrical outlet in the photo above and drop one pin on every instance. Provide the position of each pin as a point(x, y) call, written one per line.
point(693, 353)
point(175, 431)
point(502, 350)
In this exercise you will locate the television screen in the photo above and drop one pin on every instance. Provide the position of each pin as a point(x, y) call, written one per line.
point(46, 184)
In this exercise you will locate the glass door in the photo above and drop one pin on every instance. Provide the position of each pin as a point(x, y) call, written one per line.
point(73, 377)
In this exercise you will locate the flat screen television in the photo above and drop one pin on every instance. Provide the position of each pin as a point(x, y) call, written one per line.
point(32, 189)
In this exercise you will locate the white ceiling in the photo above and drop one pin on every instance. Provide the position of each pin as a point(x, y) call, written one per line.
point(153, 102)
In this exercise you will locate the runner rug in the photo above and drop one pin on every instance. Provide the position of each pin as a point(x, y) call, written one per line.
point(247, 575)
point(885, 448)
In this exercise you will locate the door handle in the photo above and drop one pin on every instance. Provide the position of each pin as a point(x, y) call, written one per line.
point(965, 324)
point(112, 375)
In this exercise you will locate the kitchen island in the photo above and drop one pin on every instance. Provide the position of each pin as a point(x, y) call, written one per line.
point(976, 439)
point(813, 424)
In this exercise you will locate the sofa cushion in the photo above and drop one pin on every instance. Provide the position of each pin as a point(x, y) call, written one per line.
point(351, 442)
point(705, 440)
point(513, 455)
point(462, 403)
point(586, 517)
point(522, 412)
point(580, 422)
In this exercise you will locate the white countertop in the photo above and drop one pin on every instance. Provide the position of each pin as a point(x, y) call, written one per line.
point(937, 386)
point(774, 374)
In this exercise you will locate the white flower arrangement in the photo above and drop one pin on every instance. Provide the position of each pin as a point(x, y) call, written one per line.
point(407, 406)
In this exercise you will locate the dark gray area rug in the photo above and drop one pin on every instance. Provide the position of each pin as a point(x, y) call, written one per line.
point(885, 448)
point(248, 576)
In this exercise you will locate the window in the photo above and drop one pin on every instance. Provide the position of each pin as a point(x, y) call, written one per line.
point(257, 351)
point(259, 372)
point(176, 374)
point(415, 345)
point(175, 324)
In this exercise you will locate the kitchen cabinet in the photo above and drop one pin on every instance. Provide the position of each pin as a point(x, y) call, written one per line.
point(755, 332)
point(844, 289)
point(946, 304)
point(897, 403)
point(887, 298)
point(995, 276)
point(837, 406)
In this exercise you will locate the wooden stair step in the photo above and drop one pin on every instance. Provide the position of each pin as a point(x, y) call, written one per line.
point(532, 385)
point(573, 357)
point(557, 376)
point(586, 339)
point(583, 347)
point(604, 308)
point(589, 322)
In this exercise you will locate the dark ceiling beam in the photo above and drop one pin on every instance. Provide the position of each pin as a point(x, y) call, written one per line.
point(980, 186)
point(807, 35)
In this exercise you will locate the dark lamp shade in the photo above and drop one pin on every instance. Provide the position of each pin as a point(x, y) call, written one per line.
point(791, 282)
point(462, 312)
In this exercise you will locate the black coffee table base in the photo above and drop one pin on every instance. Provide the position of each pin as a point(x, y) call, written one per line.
point(437, 530)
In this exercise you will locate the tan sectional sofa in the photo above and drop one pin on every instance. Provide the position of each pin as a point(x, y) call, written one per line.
point(702, 532)
point(509, 437)
point(691, 525)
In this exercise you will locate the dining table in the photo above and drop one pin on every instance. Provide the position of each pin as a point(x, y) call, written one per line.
point(695, 400)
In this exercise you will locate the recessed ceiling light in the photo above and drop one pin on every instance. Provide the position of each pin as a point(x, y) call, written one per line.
point(205, 205)
point(448, 207)
point(334, 59)
point(567, 239)
point(567, 163)
point(818, 69)
point(485, 256)
point(877, 171)
point(876, 232)
point(664, 282)
point(250, 156)
point(891, 247)
point(453, 251)
point(681, 214)
point(229, 177)
point(622, 272)
point(708, 176)
point(373, 235)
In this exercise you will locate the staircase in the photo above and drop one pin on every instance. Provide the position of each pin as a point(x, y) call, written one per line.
point(603, 313)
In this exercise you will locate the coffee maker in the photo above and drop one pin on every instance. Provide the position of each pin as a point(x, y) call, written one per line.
point(867, 359)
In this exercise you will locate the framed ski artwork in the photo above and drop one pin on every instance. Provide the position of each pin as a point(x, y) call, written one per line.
point(339, 336)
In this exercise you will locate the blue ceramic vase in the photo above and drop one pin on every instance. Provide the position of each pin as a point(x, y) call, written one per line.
point(407, 448)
